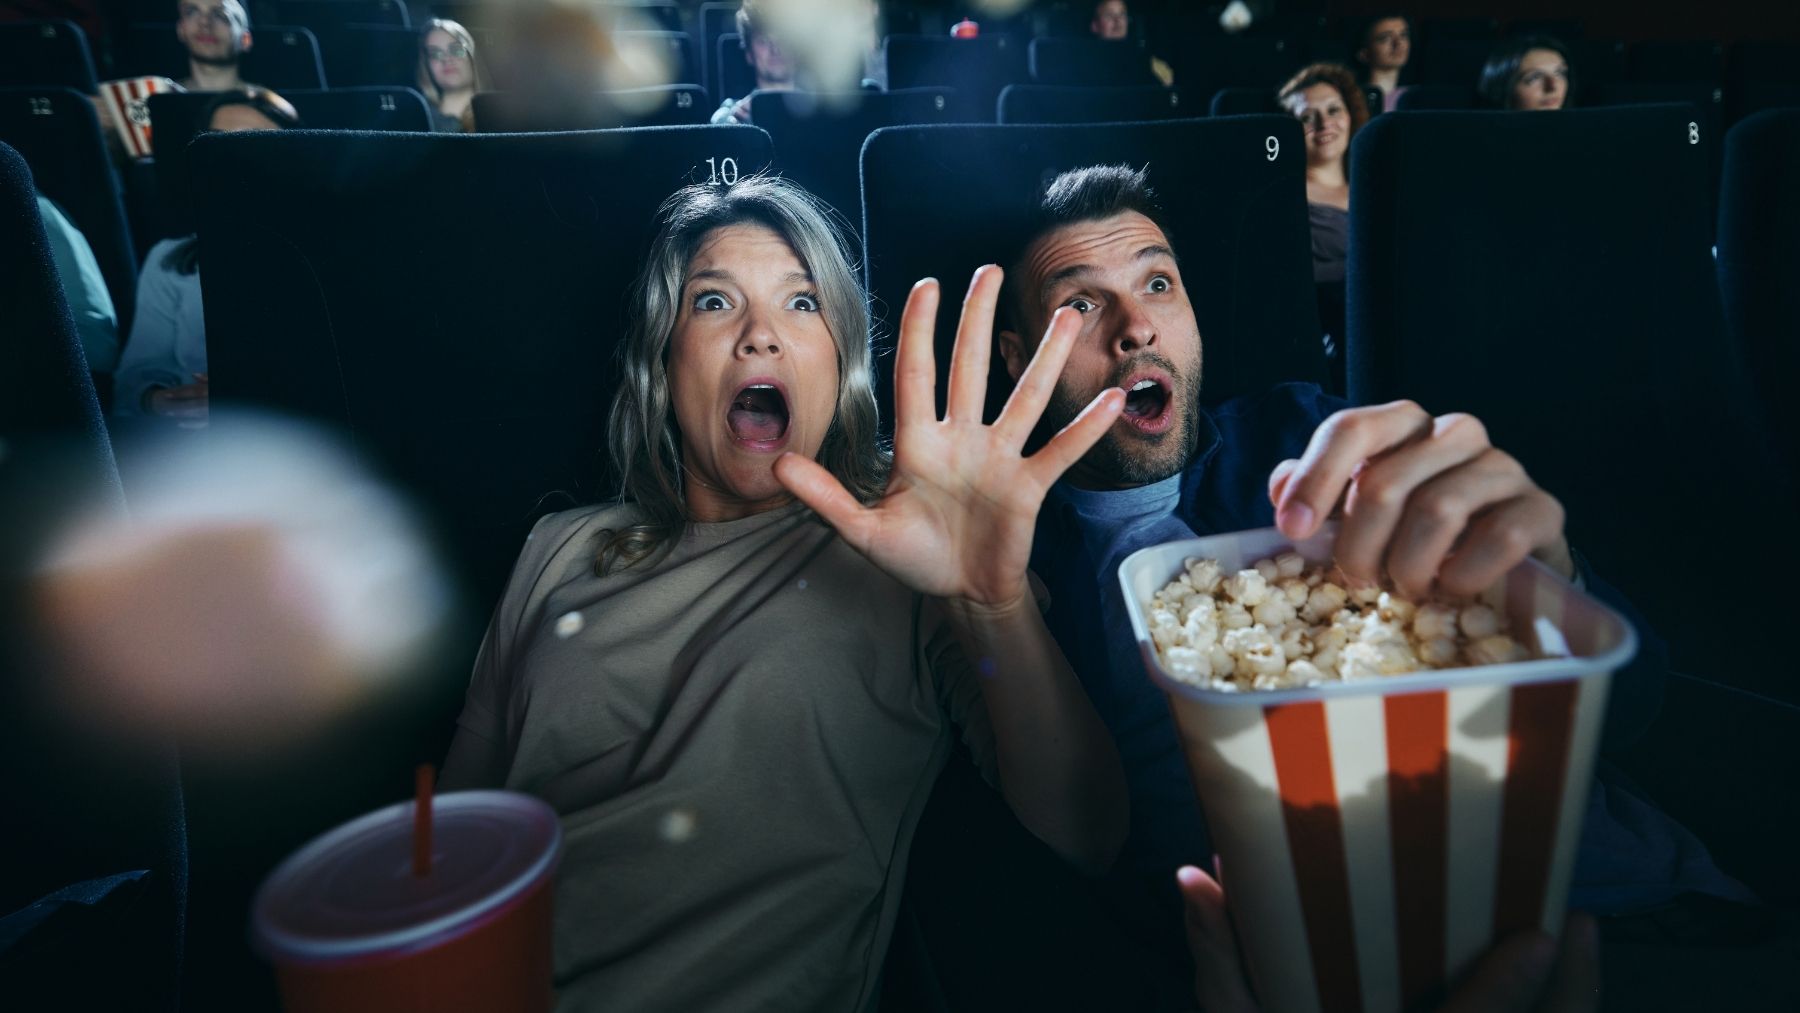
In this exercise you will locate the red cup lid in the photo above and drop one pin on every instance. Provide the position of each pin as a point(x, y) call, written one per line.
point(351, 893)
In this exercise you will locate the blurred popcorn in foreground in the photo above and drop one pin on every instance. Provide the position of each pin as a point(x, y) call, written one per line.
point(263, 583)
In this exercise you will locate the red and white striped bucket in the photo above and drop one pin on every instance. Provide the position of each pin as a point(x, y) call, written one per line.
point(126, 103)
point(1376, 837)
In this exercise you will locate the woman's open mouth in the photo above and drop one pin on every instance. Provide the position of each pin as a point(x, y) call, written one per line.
point(758, 416)
point(1147, 402)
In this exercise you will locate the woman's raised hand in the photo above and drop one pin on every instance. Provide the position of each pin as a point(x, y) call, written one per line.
point(962, 500)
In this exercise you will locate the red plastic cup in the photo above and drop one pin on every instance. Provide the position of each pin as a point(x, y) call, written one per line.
point(965, 29)
point(351, 929)
point(1375, 837)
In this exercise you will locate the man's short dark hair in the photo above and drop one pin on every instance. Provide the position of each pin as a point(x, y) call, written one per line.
point(749, 22)
point(1088, 194)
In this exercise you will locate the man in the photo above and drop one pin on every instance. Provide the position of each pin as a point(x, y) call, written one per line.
point(1425, 502)
point(216, 35)
point(773, 66)
point(1112, 21)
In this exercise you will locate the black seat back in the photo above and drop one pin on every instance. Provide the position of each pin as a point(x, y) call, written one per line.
point(1090, 62)
point(819, 138)
point(285, 57)
point(975, 69)
point(517, 315)
point(330, 15)
point(731, 76)
point(1575, 313)
point(498, 112)
point(46, 54)
point(1043, 103)
point(1759, 258)
point(941, 201)
point(57, 132)
point(1695, 61)
point(1417, 97)
point(1244, 102)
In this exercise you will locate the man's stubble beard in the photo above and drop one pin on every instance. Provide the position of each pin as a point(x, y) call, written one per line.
point(1111, 463)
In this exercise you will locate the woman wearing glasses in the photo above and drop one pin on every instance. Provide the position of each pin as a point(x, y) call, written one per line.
point(447, 76)
point(1528, 73)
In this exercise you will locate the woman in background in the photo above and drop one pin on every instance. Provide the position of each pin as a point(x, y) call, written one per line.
point(447, 75)
point(1532, 72)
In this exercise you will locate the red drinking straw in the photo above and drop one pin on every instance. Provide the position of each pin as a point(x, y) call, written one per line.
point(422, 820)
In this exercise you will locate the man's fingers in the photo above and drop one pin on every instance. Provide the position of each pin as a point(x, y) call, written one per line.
point(1509, 979)
point(1341, 444)
point(820, 490)
point(1381, 493)
point(915, 365)
point(1220, 985)
point(974, 345)
point(1435, 518)
point(1497, 539)
point(1078, 437)
point(1026, 404)
point(1575, 984)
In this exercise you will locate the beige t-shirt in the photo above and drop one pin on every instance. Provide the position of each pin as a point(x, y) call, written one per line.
point(739, 739)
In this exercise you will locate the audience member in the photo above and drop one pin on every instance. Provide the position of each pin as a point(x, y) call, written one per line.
point(163, 370)
point(1532, 72)
point(767, 56)
point(1112, 21)
point(447, 74)
point(1386, 48)
point(216, 35)
point(96, 323)
point(1409, 489)
point(1330, 107)
point(738, 710)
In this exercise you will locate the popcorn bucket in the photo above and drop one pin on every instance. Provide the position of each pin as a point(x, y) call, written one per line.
point(126, 102)
point(352, 929)
point(1377, 836)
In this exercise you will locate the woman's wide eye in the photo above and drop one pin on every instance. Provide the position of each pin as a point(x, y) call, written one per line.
point(706, 301)
point(804, 303)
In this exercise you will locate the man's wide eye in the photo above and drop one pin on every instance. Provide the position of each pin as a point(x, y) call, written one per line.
point(1080, 305)
point(1160, 284)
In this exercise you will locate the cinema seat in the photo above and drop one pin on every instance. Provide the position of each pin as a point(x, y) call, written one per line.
point(1418, 97)
point(499, 112)
point(79, 810)
point(730, 76)
point(1759, 259)
point(941, 201)
point(1042, 103)
point(1698, 61)
point(1500, 264)
point(1093, 63)
point(819, 138)
point(51, 54)
point(1206, 63)
point(1244, 102)
point(285, 57)
point(358, 56)
point(330, 15)
point(449, 304)
point(57, 132)
point(975, 69)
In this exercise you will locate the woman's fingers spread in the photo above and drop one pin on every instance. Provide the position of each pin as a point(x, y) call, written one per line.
point(820, 490)
point(1498, 539)
point(974, 345)
point(915, 364)
point(1038, 382)
point(1339, 446)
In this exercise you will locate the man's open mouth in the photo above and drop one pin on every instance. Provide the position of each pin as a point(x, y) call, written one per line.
point(758, 415)
point(1147, 400)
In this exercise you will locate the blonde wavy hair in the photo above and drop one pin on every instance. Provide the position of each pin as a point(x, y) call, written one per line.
point(643, 436)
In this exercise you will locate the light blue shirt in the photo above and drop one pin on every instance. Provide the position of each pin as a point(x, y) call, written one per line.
point(96, 323)
point(168, 335)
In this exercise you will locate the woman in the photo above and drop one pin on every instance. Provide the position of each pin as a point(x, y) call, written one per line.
point(738, 710)
point(1386, 48)
point(162, 371)
point(447, 75)
point(1330, 107)
point(1528, 73)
